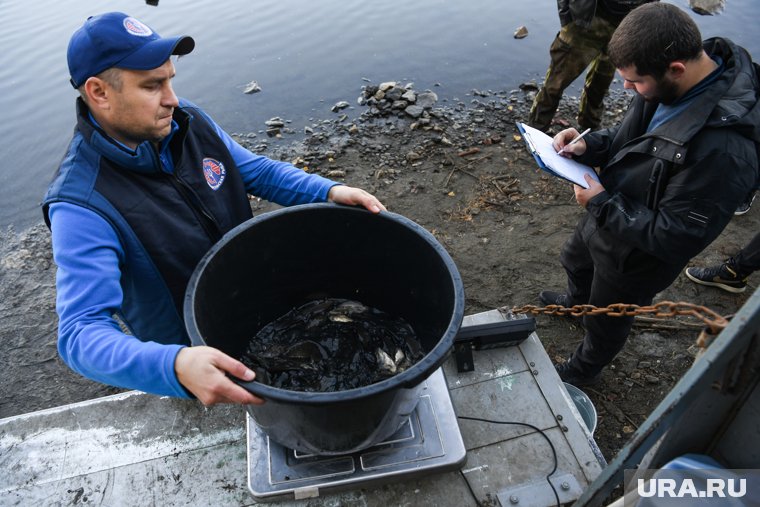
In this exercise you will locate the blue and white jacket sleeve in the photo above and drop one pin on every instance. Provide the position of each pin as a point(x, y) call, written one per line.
point(274, 180)
point(88, 254)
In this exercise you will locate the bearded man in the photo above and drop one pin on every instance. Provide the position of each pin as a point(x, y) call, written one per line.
point(671, 174)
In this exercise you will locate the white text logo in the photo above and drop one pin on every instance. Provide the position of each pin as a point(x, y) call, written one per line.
point(714, 488)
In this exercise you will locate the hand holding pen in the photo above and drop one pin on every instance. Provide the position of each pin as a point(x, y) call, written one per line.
point(565, 149)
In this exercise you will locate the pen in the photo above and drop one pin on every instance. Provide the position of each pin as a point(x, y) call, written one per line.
point(577, 138)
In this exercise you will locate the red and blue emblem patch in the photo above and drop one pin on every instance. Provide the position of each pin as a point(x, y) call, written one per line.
point(214, 172)
point(135, 27)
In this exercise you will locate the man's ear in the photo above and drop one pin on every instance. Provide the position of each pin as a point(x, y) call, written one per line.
point(98, 93)
point(676, 69)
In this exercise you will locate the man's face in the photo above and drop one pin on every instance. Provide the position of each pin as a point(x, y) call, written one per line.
point(664, 90)
point(142, 109)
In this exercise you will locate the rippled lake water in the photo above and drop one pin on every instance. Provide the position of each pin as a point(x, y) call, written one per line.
point(305, 55)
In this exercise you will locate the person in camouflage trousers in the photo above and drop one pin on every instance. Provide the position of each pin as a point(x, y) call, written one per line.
point(587, 26)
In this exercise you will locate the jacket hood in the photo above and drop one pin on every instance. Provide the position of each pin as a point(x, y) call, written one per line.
point(731, 101)
point(739, 106)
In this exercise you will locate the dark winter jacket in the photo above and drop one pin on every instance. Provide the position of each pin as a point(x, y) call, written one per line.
point(670, 192)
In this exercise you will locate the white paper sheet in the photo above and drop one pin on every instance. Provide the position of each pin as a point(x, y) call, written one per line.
point(566, 168)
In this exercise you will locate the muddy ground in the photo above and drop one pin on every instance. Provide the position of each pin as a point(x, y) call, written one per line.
point(462, 175)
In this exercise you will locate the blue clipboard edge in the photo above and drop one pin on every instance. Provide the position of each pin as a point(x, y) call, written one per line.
point(531, 149)
point(533, 152)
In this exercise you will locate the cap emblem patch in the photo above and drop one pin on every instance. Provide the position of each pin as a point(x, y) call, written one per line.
point(214, 172)
point(136, 27)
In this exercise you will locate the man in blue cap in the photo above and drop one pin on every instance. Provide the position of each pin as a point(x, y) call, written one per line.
point(148, 184)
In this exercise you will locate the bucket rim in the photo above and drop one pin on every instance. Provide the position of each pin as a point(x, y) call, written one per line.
point(412, 377)
point(577, 392)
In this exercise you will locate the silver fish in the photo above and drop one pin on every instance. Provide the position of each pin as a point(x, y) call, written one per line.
point(385, 362)
point(343, 311)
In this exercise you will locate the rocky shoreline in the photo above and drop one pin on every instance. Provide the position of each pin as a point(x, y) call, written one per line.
point(395, 110)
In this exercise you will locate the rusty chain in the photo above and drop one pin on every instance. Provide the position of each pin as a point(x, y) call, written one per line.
point(713, 320)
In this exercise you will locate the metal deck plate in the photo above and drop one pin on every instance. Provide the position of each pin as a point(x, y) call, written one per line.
point(430, 441)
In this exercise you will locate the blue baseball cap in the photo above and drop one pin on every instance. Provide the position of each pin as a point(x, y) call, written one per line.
point(115, 39)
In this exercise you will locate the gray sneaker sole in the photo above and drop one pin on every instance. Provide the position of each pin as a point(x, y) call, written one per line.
point(735, 290)
point(741, 210)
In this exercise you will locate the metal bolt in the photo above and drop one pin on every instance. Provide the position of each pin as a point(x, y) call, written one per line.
point(559, 417)
point(565, 486)
point(532, 363)
point(565, 429)
point(535, 372)
point(514, 500)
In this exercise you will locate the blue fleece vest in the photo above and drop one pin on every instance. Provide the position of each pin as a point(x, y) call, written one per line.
point(166, 222)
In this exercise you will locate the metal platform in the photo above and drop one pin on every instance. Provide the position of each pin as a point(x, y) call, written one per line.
point(137, 449)
point(429, 442)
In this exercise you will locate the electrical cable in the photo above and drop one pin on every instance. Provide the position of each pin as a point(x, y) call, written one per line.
point(540, 431)
point(474, 496)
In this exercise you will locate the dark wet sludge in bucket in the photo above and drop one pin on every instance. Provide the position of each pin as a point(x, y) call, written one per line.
point(332, 345)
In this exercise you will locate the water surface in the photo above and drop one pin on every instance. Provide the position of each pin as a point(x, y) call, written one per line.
point(305, 55)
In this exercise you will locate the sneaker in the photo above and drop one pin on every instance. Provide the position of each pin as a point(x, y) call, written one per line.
point(572, 376)
point(548, 297)
point(721, 276)
point(746, 205)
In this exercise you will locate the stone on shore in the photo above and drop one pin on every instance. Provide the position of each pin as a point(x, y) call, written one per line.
point(339, 105)
point(426, 100)
point(252, 87)
point(414, 111)
point(521, 32)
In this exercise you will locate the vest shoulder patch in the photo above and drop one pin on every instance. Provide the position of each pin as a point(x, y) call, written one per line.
point(214, 172)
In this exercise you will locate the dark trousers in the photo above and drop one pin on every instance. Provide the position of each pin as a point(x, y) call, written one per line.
point(747, 261)
point(587, 283)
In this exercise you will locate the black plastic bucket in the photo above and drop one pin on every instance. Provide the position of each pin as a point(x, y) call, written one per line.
point(276, 261)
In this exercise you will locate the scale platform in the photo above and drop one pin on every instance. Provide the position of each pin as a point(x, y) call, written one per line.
point(429, 442)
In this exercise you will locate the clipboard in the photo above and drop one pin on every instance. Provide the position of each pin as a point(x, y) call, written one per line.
point(540, 146)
